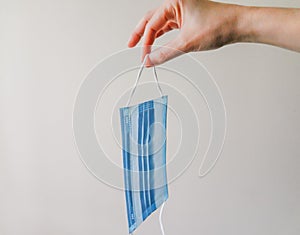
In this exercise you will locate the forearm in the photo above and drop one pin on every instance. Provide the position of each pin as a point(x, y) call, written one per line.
point(274, 26)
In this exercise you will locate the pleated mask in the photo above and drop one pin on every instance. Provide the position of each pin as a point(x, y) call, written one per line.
point(143, 128)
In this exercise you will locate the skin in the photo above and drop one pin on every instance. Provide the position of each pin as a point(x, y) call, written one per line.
point(206, 25)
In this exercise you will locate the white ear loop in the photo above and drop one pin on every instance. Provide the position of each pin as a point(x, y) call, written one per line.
point(160, 219)
point(139, 76)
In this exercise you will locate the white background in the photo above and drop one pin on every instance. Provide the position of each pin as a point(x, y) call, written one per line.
point(46, 50)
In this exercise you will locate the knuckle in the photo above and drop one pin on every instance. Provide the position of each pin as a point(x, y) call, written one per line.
point(138, 34)
point(148, 15)
point(149, 30)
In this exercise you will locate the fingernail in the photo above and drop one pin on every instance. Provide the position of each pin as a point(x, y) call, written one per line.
point(152, 58)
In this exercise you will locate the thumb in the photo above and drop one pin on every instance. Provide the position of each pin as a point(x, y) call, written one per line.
point(169, 51)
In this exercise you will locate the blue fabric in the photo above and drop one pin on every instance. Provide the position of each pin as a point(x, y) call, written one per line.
point(143, 128)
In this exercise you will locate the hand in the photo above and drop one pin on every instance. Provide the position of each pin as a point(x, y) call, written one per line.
point(203, 25)
point(206, 25)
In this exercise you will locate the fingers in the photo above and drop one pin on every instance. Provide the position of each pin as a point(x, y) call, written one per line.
point(139, 29)
point(171, 50)
point(155, 24)
point(161, 32)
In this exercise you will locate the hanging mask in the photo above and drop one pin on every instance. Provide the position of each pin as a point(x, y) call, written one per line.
point(143, 128)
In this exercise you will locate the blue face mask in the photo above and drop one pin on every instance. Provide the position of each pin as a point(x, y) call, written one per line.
point(143, 128)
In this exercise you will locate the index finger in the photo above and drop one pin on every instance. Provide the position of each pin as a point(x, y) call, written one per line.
point(155, 24)
point(138, 32)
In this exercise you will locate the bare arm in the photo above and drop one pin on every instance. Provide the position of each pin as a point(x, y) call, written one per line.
point(206, 25)
point(274, 26)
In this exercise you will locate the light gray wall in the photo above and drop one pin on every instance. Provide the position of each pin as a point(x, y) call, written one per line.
point(46, 50)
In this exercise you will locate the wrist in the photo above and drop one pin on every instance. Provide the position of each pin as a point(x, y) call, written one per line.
point(236, 24)
point(245, 26)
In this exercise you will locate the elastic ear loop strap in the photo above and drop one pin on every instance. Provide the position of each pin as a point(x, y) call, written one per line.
point(139, 76)
point(161, 93)
point(160, 219)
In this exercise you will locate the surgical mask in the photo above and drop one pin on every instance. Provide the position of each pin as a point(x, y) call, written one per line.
point(143, 128)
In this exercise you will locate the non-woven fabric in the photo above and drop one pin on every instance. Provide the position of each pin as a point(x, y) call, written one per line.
point(143, 128)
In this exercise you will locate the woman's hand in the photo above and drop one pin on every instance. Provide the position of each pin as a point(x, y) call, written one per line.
point(206, 25)
point(203, 25)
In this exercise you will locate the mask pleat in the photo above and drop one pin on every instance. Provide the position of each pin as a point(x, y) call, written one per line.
point(140, 158)
point(151, 161)
point(125, 125)
point(147, 176)
point(146, 157)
